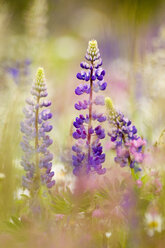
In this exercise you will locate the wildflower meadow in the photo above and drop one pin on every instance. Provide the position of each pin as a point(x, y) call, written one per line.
point(82, 134)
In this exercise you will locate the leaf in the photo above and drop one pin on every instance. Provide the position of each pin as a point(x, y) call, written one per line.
point(161, 141)
point(62, 204)
point(145, 179)
point(148, 197)
point(13, 224)
point(85, 202)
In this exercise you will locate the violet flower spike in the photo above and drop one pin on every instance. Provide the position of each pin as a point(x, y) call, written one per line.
point(128, 145)
point(37, 159)
point(88, 151)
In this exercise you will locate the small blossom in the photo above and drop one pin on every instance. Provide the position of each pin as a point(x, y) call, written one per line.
point(139, 183)
point(97, 213)
point(2, 176)
point(108, 235)
point(153, 222)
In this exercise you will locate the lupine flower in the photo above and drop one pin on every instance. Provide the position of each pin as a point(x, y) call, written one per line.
point(37, 158)
point(128, 145)
point(153, 222)
point(18, 70)
point(88, 150)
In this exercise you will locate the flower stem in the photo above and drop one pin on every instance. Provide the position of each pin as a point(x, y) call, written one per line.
point(90, 113)
point(37, 178)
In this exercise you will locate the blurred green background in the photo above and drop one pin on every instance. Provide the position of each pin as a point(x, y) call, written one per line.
point(54, 34)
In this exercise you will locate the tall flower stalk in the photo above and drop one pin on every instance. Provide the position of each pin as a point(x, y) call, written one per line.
point(89, 152)
point(37, 159)
point(128, 145)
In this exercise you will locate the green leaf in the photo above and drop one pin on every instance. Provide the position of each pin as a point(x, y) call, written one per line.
point(62, 204)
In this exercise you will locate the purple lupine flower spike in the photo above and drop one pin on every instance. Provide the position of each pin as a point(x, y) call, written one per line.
point(88, 151)
point(128, 145)
point(37, 159)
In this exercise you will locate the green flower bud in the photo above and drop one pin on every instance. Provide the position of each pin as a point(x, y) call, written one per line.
point(109, 106)
point(92, 48)
point(40, 78)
